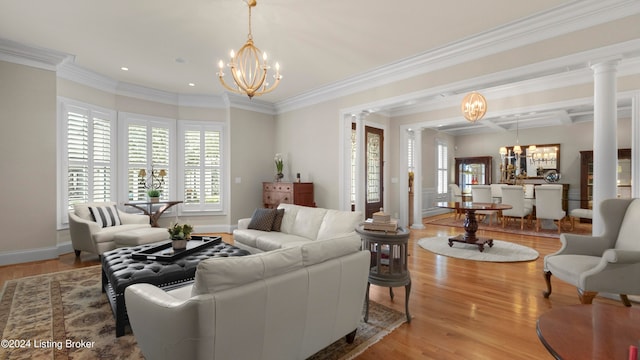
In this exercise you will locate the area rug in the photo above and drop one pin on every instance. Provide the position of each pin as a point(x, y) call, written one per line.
point(502, 251)
point(64, 315)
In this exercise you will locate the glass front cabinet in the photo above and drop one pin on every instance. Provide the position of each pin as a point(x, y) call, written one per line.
point(586, 176)
point(473, 171)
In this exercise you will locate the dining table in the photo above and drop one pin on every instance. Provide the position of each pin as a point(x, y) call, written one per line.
point(470, 221)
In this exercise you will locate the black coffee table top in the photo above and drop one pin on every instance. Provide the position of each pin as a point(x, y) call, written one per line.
point(122, 270)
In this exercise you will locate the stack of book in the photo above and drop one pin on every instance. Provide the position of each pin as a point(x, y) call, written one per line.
point(381, 222)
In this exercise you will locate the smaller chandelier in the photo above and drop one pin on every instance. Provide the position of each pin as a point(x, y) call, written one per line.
point(249, 68)
point(473, 107)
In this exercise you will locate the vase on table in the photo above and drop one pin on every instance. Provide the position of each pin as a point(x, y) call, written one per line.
point(179, 244)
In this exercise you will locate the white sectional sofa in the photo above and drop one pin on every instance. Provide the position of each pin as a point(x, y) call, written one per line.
point(300, 225)
point(283, 304)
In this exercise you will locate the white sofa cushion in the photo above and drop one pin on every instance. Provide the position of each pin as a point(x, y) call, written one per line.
point(315, 252)
point(289, 217)
point(308, 222)
point(221, 273)
point(338, 223)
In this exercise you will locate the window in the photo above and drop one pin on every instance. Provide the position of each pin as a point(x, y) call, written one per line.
point(443, 168)
point(201, 153)
point(148, 144)
point(85, 155)
point(411, 145)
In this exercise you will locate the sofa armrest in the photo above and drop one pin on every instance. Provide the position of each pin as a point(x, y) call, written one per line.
point(127, 218)
point(166, 327)
point(244, 223)
point(81, 232)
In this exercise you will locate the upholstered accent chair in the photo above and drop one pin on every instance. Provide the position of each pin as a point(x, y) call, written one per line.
point(514, 195)
point(482, 193)
point(93, 226)
point(609, 262)
point(549, 205)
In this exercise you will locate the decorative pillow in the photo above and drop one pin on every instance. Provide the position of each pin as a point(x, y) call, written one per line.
point(105, 215)
point(262, 219)
point(277, 222)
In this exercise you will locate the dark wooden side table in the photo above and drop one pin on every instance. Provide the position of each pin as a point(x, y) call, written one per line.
point(597, 331)
point(147, 209)
point(388, 262)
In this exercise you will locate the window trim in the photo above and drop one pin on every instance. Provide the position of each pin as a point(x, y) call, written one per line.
point(62, 196)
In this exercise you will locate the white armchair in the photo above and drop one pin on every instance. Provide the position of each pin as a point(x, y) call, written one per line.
point(87, 235)
point(606, 263)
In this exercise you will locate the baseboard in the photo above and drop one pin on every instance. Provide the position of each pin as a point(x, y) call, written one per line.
point(48, 253)
point(29, 255)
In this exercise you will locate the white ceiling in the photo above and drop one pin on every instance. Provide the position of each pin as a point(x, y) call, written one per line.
point(168, 44)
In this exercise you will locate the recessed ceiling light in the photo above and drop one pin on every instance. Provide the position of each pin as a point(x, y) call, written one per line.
point(192, 84)
point(124, 68)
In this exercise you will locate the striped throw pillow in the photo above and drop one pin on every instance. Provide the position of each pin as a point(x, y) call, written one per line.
point(105, 215)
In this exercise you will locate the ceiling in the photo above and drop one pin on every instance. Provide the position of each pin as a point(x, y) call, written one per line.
point(167, 44)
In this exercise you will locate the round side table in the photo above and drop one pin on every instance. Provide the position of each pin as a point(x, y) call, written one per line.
point(388, 266)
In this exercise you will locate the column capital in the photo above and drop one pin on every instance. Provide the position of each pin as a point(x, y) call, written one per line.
point(605, 64)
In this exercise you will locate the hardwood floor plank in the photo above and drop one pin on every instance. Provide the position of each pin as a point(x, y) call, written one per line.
point(461, 309)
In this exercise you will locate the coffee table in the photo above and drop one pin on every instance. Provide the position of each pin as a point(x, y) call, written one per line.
point(120, 269)
point(596, 331)
point(470, 222)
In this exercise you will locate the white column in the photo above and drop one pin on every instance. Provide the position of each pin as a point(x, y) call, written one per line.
point(360, 165)
point(417, 181)
point(635, 145)
point(605, 138)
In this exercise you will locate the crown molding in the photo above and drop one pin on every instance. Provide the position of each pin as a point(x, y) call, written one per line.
point(561, 72)
point(569, 17)
point(15, 52)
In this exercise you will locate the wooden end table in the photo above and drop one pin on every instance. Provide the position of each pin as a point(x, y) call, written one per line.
point(388, 266)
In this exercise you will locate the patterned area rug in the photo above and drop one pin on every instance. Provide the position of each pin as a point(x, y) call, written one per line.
point(64, 315)
point(501, 251)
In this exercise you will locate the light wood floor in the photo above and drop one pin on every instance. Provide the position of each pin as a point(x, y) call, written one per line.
point(460, 309)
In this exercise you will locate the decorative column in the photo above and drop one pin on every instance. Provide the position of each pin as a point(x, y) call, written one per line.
point(635, 145)
point(417, 181)
point(360, 165)
point(605, 137)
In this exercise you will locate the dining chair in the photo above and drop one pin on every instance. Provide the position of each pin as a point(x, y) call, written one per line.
point(514, 195)
point(456, 195)
point(549, 205)
point(482, 193)
point(496, 192)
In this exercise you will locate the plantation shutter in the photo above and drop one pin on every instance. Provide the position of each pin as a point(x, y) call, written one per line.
point(148, 147)
point(442, 173)
point(202, 159)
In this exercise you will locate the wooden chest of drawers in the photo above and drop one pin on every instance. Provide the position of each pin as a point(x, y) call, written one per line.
point(275, 193)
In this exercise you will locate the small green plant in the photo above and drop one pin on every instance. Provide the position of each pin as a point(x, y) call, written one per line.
point(180, 232)
point(153, 193)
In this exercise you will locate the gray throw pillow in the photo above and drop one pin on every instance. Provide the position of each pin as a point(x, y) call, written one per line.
point(262, 219)
point(277, 222)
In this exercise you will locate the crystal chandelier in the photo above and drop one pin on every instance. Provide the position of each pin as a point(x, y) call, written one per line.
point(249, 68)
point(473, 107)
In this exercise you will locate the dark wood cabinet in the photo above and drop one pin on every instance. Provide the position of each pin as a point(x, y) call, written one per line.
point(275, 193)
point(473, 170)
point(586, 176)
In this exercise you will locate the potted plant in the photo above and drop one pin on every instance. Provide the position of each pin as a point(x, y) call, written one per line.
point(154, 195)
point(279, 167)
point(180, 234)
